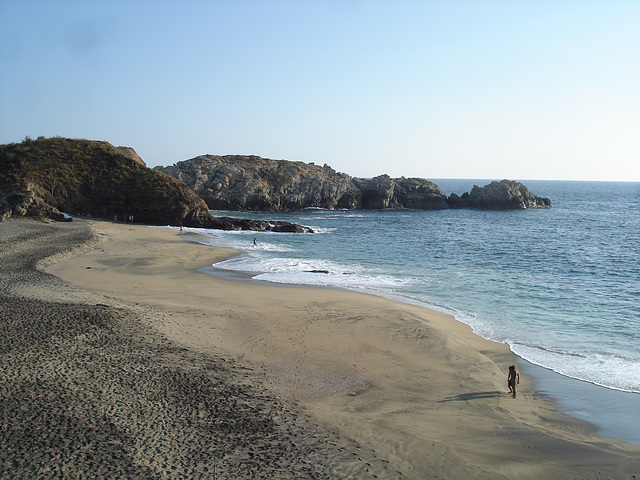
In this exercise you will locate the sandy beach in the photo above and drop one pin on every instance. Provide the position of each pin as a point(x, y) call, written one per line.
point(121, 357)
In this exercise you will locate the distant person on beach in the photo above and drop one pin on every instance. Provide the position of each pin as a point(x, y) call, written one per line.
point(512, 380)
point(255, 242)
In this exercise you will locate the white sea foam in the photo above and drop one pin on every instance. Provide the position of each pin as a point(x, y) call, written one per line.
point(612, 371)
point(242, 240)
point(265, 261)
point(282, 269)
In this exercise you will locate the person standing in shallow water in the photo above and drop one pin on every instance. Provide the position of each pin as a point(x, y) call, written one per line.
point(512, 380)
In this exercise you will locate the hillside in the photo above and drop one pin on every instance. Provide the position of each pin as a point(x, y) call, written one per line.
point(49, 177)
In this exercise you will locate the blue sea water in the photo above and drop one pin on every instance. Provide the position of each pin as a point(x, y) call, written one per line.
point(560, 286)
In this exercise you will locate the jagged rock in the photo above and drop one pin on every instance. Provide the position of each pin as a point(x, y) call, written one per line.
point(24, 201)
point(503, 195)
point(384, 192)
point(237, 182)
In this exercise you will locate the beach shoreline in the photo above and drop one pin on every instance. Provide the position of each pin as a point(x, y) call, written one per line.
point(613, 413)
point(610, 411)
point(394, 390)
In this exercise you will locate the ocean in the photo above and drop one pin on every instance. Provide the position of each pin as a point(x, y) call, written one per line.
point(560, 286)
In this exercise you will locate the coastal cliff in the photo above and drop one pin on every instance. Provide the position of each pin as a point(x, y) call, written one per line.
point(240, 182)
point(53, 177)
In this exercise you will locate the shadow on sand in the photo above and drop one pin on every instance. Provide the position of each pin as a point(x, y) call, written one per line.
point(465, 397)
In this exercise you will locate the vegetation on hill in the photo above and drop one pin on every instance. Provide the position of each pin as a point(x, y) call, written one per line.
point(48, 176)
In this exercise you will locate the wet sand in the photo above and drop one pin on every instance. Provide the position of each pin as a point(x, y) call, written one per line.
point(141, 364)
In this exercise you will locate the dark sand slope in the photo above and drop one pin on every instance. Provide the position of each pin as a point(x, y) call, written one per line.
point(86, 391)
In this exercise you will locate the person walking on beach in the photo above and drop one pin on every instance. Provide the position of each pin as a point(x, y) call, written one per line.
point(512, 380)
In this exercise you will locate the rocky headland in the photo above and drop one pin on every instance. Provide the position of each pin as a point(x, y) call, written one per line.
point(58, 177)
point(241, 182)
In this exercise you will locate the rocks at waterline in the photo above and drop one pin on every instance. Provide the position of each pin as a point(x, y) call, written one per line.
point(251, 183)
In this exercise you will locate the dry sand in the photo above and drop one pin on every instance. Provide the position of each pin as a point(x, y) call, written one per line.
point(163, 371)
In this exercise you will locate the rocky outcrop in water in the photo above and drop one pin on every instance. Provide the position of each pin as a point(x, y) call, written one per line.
point(503, 195)
point(239, 182)
point(384, 192)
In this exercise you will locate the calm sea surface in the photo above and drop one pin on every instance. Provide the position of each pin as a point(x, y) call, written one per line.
point(560, 286)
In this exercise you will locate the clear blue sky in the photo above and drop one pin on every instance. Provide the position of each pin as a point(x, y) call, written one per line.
point(518, 89)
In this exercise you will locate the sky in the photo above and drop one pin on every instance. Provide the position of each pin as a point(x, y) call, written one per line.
point(481, 89)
